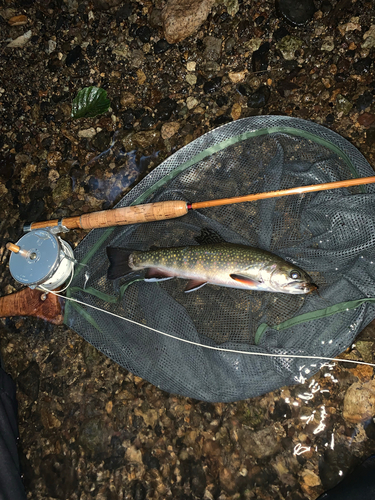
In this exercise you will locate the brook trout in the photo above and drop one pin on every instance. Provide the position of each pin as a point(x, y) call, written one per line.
point(223, 264)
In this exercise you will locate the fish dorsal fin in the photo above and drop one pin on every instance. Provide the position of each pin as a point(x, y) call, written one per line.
point(245, 280)
point(208, 236)
point(194, 285)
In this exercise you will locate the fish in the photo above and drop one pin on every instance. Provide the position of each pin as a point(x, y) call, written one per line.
point(224, 264)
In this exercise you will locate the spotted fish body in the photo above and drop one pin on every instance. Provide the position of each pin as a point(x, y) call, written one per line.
point(223, 264)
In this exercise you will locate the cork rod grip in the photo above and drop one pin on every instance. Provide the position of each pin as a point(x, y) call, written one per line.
point(121, 216)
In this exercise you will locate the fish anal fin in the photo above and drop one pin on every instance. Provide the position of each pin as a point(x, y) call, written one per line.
point(154, 274)
point(244, 280)
point(193, 285)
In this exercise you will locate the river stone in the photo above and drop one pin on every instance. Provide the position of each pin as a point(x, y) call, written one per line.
point(263, 443)
point(28, 381)
point(296, 12)
point(181, 18)
point(288, 46)
point(359, 402)
point(212, 51)
point(259, 98)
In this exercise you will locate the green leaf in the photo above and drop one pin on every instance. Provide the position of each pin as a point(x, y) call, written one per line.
point(90, 102)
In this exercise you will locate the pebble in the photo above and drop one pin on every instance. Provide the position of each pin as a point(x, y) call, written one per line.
point(366, 119)
point(191, 79)
point(73, 55)
point(87, 133)
point(288, 46)
point(191, 102)
point(259, 59)
point(212, 86)
point(296, 12)
point(237, 77)
point(236, 111)
point(137, 58)
point(161, 46)
point(191, 65)
point(168, 130)
point(212, 51)
point(259, 98)
point(20, 41)
point(328, 44)
point(144, 34)
point(165, 108)
point(343, 105)
point(28, 380)
point(181, 18)
point(359, 402)
point(364, 101)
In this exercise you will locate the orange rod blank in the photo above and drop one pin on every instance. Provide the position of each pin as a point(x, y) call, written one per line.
point(284, 192)
point(172, 209)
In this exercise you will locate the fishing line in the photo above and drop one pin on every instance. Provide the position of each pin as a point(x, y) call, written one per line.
point(299, 356)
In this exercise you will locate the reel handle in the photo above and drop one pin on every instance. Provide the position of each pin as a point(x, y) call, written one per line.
point(118, 216)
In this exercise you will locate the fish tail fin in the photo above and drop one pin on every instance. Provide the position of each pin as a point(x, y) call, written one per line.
point(118, 262)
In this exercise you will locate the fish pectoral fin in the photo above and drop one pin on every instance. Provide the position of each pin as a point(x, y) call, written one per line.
point(194, 285)
point(157, 275)
point(245, 280)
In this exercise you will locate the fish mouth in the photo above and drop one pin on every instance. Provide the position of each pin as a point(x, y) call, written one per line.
point(303, 286)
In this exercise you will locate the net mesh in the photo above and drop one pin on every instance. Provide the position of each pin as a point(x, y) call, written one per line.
point(330, 234)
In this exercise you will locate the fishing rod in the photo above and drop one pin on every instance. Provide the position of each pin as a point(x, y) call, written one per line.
point(164, 210)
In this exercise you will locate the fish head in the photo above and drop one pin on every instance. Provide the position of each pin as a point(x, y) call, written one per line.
point(287, 278)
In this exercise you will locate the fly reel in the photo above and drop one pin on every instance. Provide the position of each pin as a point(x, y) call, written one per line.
point(40, 259)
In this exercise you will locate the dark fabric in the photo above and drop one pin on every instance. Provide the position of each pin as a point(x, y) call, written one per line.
point(11, 486)
point(359, 485)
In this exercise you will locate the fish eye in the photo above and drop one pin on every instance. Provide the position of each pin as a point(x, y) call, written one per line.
point(295, 274)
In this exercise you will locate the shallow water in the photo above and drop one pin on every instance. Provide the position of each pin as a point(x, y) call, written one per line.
point(90, 429)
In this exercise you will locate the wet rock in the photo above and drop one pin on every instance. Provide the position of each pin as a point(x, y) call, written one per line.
point(93, 435)
point(259, 98)
point(87, 133)
point(161, 46)
point(280, 33)
point(138, 490)
point(288, 46)
point(229, 45)
point(124, 12)
point(364, 101)
point(296, 12)
point(156, 18)
point(101, 140)
point(366, 119)
point(343, 105)
point(362, 65)
point(181, 18)
point(127, 119)
point(73, 55)
point(259, 59)
point(147, 122)
point(212, 50)
point(62, 190)
point(6, 166)
point(28, 381)
point(168, 130)
point(212, 86)
point(334, 464)
point(263, 443)
point(359, 402)
point(104, 4)
point(33, 210)
point(137, 58)
point(237, 77)
point(165, 108)
point(144, 34)
point(59, 475)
